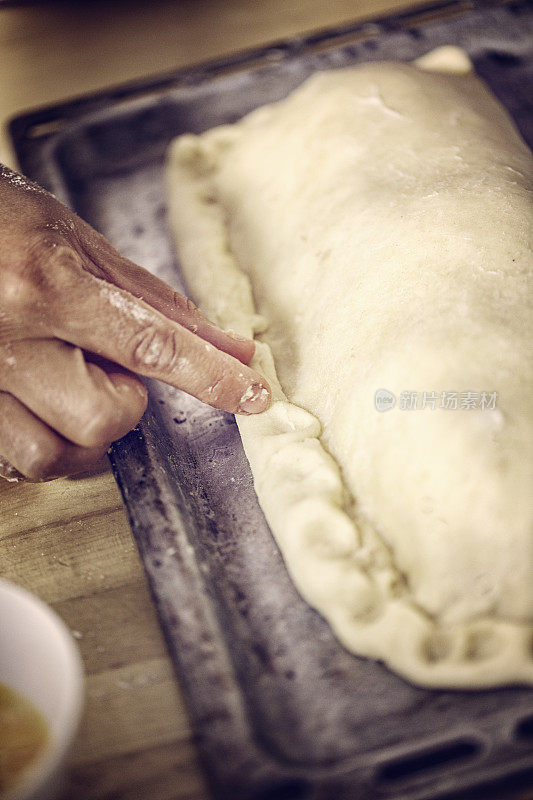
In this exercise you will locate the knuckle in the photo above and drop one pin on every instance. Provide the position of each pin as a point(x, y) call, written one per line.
point(36, 270)
point(63, 257)
point(17, 291)
point(57, 267)
point(156, 350)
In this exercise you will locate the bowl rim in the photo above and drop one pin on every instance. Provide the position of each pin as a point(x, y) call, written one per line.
point(44, 768)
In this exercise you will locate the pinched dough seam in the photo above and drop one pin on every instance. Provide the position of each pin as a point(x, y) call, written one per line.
point(340, 570)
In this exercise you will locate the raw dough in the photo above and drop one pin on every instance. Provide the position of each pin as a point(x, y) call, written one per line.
point(377, 225)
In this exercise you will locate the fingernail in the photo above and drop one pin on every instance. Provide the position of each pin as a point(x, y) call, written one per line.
point(255, 399)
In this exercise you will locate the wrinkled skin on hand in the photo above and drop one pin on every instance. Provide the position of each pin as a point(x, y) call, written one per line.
point(78, 324)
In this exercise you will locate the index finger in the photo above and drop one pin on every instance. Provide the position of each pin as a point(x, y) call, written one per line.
point(128, 331)
point(136, 280)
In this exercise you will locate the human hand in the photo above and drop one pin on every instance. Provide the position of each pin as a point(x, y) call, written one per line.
point(78, 324)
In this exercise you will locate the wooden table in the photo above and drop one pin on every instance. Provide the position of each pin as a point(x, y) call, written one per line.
point(68, 541)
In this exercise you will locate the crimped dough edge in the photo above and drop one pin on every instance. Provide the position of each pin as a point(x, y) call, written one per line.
point(317, 532)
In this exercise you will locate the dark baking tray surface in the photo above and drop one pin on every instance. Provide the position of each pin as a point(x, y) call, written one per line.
point(279, 708)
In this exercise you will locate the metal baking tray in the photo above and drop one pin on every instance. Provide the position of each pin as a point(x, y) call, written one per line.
point(280, 710)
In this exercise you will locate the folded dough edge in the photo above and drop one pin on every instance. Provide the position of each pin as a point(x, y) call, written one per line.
point(338, 562)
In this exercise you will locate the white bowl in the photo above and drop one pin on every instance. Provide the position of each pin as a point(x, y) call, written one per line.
point(39, 659)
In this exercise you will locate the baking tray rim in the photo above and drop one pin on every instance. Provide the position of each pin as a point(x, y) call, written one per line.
point(49, 118)
point(207, 69)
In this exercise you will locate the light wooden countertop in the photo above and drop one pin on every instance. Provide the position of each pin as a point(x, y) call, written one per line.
point(69, 541)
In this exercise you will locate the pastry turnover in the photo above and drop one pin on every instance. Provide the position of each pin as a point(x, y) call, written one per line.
point(374, 231)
